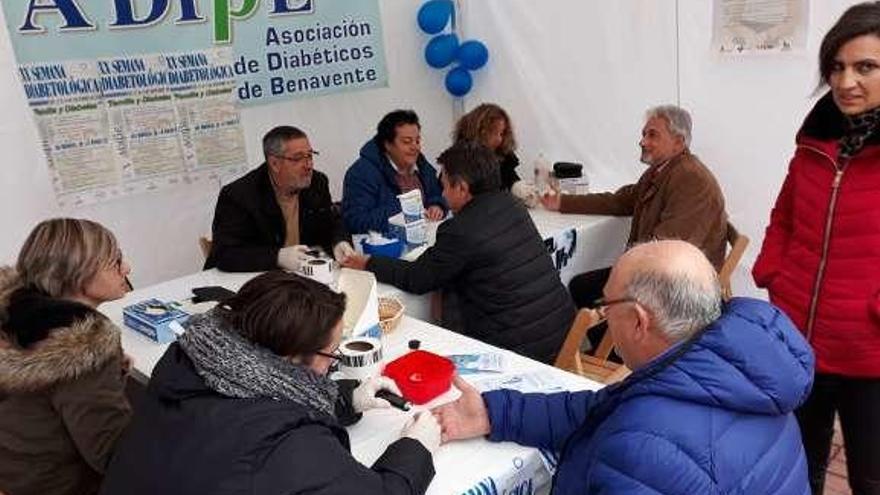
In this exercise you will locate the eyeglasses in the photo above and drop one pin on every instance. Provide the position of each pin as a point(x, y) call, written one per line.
point(335, 355)
point(116, 262)
point(300, 157)
point(602, 305)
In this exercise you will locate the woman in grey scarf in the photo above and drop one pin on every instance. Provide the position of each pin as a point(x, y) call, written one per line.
point(242, 404)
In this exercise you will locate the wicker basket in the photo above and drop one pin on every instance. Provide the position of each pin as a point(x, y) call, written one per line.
point(390, 313)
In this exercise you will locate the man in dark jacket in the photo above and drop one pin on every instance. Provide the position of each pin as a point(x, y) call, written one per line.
point(270, 217)
point(708, 408)
point(491, 257)
point(389, 164)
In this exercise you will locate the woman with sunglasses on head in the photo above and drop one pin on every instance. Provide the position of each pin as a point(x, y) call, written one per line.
point(241, 403)
point(62, 377)
point(820, 260)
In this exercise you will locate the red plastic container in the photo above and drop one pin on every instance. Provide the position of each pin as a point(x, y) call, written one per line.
point(421, 375)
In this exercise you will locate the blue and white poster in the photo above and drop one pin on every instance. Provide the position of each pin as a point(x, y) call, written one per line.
point(134, 95)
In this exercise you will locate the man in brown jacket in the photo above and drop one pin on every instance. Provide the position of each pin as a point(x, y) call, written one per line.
point(676, 198)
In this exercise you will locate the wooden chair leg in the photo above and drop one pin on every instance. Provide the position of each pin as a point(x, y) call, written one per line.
point(437, 306)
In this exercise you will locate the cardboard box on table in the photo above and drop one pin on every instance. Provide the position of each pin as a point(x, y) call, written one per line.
point(361, 317)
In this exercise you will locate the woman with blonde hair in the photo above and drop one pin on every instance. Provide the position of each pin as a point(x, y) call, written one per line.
point(62, 402)
point(489, 125)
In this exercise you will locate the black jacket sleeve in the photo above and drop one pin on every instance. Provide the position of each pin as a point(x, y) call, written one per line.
point(326, 467)
point(345, 413)
point(236, 245)
point(324, 218)
point(434, 269)
point(508, 166)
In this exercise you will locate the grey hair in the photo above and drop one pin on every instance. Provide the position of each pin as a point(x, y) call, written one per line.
point(679, 304)
point(678, 119)
point(273, 141)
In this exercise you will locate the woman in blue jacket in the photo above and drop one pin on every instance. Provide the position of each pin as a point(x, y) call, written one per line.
point(390, 164)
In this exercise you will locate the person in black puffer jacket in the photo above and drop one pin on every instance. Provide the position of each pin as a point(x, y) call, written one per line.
point(241, 404)
point(491, 257)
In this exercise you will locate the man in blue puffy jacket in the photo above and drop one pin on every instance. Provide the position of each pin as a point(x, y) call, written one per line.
point(707, 410)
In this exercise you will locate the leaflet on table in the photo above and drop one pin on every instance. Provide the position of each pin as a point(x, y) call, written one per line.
point(485, 362)
point(534, 381)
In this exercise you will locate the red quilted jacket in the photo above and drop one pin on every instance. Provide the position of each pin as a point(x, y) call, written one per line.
point(820, 260)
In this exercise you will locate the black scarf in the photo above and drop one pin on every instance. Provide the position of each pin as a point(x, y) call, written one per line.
point(859, 128)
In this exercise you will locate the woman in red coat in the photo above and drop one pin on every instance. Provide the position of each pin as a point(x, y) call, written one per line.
point(820, 260)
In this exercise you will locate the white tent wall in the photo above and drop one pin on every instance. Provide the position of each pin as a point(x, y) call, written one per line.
point(158, 231)
point(577, 76)
point(746, 113)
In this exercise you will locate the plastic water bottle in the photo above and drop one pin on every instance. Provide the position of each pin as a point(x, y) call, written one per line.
point(542, 174)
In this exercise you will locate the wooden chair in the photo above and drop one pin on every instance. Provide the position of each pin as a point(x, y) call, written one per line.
point(205, 246)
point(596, 367)
point(738, 244)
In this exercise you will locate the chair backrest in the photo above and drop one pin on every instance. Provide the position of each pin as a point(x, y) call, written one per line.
point(738, 243)
point(569, 355)
point(205, 246)
point(597, 367)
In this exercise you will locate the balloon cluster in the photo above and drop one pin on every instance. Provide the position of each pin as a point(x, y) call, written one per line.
point(444, 49)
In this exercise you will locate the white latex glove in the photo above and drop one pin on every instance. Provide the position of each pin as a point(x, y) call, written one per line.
point(291, 257)
point(364, 398)
point(424, 428)
point(526, 192)
point(342, 250)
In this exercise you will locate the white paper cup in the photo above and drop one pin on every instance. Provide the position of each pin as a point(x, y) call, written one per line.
point(411, 205)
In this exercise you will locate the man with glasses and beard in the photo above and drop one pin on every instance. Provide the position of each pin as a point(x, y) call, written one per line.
point(270, 217)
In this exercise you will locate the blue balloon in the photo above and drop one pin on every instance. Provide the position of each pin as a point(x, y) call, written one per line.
point(459, 81)
point(473, 54)
point(434, 15)
point(441, 50)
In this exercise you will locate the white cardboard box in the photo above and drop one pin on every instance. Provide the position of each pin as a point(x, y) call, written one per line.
point(361, 317)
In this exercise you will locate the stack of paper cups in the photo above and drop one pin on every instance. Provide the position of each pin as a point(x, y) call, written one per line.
point(361, 358)
point(412, 208)
point(318, 269)
point(411, 205)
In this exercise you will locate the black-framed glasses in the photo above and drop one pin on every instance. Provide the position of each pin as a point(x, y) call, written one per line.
point(116, 262)
point(308, 156)
point(335, 359)
point(335, 355)
point(602, 304)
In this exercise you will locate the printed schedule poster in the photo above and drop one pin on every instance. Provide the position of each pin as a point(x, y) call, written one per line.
point(136, 95)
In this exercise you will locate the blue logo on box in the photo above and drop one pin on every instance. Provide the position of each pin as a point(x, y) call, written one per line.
point(155, 319)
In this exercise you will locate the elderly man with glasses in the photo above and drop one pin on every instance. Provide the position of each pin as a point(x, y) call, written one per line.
point(274, 214)
point(707, 409)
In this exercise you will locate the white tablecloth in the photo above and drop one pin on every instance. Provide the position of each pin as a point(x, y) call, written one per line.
point(462, 467)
